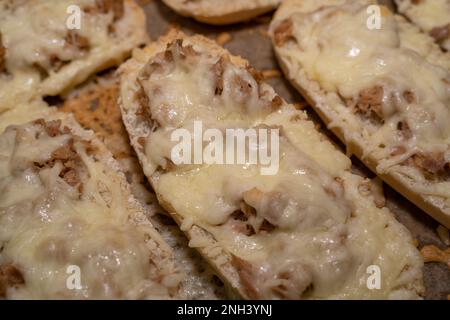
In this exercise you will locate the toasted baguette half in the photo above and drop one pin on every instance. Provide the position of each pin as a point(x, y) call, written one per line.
point(432, 16)
point(310, 230)
point(48, 47)
point(384, 93)
point(219, 12)
point(70, 228)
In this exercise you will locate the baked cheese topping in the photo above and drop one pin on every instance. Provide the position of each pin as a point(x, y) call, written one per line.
point(42, 42)
point(61, 206)
point(433, 16)
point(394, 100)
point(298, 234)
point(413, 38)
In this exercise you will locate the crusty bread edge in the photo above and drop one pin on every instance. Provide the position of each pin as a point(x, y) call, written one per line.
point(310, 90)
point(226, 16)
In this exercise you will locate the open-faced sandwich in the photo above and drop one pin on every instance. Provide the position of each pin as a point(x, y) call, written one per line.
point(221, 12)
point(69, 226)
point(432, 16)
point(49, 46)
point(310, 229)
point(380, 84)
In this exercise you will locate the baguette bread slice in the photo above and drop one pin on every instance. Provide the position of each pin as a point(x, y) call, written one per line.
point(432, 16)
point(44, 52)
point(70, 228)
point(219, 12)
point(384, 93)
point(310, 230)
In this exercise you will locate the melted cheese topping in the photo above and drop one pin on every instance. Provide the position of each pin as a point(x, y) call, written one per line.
point(23, 113)
point(335, 48)
point(413, 38)
point(427, 14)
point(324, 234)
point(43, 56)
point(47, 225)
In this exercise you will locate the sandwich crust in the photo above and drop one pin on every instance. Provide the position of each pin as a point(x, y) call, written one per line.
point(219, 12)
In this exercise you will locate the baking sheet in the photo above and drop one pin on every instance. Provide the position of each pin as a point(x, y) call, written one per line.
point(250, 41)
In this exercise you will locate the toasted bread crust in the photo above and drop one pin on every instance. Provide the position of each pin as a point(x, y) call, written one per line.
point(222, 12)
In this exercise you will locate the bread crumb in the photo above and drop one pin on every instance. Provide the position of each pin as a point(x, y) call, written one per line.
point(378, 193)
point(271, 74)
point(173, 27)
point(443, 235)
point(300, 105)
point(264, 32)
point(263, 19)
point(144, 2)
point(432, 253)
point(223, 38)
